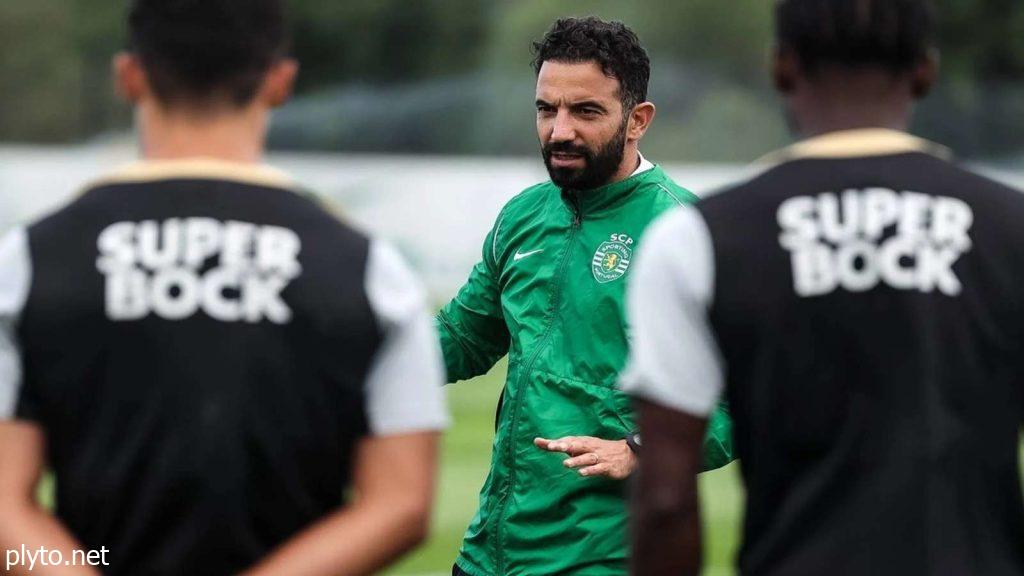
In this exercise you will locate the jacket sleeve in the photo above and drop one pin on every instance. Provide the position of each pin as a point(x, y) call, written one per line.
point(472, 327)
point(718, 449)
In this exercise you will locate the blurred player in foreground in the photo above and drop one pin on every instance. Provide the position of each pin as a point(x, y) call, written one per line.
point(861, 303)
point(204, 356)
point(549, 293)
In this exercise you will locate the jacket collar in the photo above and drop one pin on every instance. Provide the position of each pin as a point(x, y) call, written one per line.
point(589, 201)
point(199, 169)
point(857, 144)
point(644, 166)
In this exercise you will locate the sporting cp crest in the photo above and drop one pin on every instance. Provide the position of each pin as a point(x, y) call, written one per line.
point(612, 258)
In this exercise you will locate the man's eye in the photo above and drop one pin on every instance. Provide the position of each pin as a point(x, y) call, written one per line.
point(589, 112)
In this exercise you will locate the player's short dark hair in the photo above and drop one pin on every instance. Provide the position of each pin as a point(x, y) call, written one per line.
point(204, 51)
point(892, 34)
point(612, 45)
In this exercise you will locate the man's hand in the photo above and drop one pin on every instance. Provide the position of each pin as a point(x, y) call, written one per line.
point(22, 521)
point(393, 483)
point(593, 456)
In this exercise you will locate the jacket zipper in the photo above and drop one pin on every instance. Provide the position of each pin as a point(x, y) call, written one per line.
point(577, 221)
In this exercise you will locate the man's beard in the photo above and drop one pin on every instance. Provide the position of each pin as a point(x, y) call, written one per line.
point(598, 167)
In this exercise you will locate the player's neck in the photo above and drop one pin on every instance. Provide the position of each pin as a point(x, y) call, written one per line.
point(852, 101)
point(234, 136)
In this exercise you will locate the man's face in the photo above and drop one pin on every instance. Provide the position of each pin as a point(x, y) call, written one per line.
point(581, 124)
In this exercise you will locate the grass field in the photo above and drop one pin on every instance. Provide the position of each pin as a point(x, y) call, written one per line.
point(466, 457)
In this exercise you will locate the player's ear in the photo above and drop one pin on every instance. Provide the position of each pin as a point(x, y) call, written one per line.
point(130, 80)
point(640, 120)
point(925, 74)
point(785, 69)
point(279, 83)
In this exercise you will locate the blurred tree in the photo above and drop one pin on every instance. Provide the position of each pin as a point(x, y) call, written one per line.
point(707, 74)
point(56, 86)
point(386, 41)
point(980, 102)
point(97, 34)
point(983, 38)
point(39, 80)
point(453, 75)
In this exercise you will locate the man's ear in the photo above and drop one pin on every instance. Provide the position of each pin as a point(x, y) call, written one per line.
point(130, 80)
point(785, 70)
point(925, 74)
point(640, 120)
point(279, 83)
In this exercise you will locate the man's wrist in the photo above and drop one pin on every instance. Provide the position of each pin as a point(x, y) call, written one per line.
point(633, 441)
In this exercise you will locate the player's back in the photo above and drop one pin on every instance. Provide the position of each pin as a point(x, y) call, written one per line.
point(869, 305)
point(196, 339)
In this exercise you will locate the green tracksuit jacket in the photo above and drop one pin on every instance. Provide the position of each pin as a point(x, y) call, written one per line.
point(549, 293)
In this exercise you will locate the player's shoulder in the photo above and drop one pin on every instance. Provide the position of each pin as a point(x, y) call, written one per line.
point(658, 187)
point(531, 196)
point(678, 251)
point(978, 187)
point(220, 191)
point(754, 181)
point(912, 170)
point(524, 206)
point(680, 226)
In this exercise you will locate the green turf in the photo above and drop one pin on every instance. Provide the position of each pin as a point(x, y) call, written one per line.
point(466, 456)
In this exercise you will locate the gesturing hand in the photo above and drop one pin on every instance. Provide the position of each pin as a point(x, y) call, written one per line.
point(593, 456)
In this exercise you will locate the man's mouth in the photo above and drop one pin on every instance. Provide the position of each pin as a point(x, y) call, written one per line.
point(566, 160)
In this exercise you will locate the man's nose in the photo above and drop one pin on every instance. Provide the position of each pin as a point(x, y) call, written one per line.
point(563, 130)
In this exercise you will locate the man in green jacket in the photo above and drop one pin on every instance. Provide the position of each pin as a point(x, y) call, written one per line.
point(549, 293)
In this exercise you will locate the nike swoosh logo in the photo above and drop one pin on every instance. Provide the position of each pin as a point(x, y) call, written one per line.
point(520, 255)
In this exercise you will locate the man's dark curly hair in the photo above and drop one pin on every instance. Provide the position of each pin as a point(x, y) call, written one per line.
point(895, 35)
point(199, 52)
point(611, 45)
